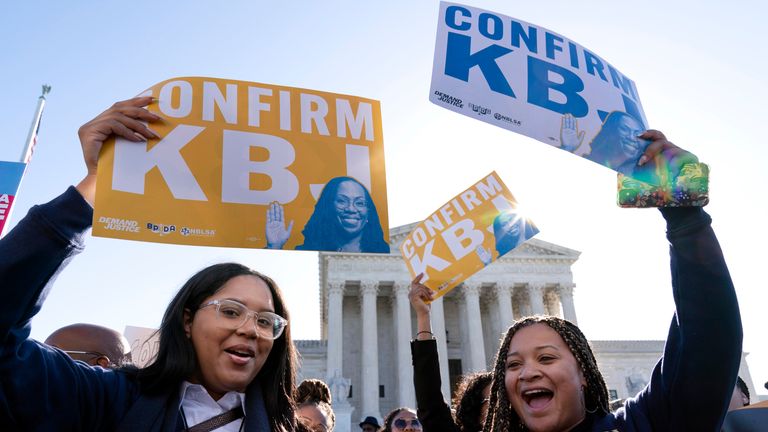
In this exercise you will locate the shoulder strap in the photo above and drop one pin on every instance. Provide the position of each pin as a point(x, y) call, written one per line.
point(219, 420)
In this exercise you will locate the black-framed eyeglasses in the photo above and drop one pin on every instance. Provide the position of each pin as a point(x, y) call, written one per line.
point(232, 315)
point(402, 423)
point(342, 203)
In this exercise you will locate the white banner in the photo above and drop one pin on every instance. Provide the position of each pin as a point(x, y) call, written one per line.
point(530, 80)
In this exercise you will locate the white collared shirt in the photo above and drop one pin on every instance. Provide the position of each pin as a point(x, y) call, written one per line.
point(199, 406)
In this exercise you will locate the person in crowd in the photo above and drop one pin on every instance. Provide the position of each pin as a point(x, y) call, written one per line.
point(471, 401)
point(545, 376)
point(743, 417)
point(313, 406)
point(93, 344)
point(740, 396)
point(401, 419)
point(471, 398)
point(225, 344)
point(345, 220)
point(369, 424)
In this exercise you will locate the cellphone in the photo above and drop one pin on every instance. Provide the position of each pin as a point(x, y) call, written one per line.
point(689, 189)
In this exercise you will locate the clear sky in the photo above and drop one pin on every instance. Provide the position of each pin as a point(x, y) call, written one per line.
point(699, 69)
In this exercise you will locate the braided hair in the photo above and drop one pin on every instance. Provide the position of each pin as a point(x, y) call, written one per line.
point(502, 418)
point(468, 400)
point(316, 392)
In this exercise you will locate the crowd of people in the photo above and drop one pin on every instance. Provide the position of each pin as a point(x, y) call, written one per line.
point(226, 360)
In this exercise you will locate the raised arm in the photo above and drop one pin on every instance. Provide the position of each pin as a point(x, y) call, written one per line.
point(42, 388)
point(691, 385)
point(124, 119)
point(433, 412)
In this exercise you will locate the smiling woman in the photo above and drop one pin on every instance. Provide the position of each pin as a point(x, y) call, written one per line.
point(546, 378)
point(225, 355)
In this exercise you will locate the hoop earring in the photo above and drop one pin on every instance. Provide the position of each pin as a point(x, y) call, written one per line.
point(584, 391)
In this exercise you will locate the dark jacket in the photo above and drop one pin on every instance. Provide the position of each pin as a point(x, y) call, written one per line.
point(692, 383)
point(41, 388)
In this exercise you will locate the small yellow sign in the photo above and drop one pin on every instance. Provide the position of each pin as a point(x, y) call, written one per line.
point(469, 232)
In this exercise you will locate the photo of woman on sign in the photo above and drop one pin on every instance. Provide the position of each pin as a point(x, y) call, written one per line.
point(510, 230)
point(616, 145)
point(344, 220)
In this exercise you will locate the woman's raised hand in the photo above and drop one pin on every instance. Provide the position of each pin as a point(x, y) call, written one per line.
point(125, 119)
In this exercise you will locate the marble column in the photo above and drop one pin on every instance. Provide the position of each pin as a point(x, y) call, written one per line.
point(504, 304)
point(438, 329)
point(402, 315)
point(566, 300)
point(334, 365)
point(536, 296)
point(471, 291)
point(370, 349)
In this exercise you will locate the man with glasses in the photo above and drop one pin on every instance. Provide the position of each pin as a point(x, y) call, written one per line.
point(92, 344)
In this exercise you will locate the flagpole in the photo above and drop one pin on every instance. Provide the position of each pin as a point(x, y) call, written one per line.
point(13, 173)
point(29, 148)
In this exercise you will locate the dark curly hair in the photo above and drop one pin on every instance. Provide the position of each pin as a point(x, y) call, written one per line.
point(502, 418)
point(743, 387)
point(468, 400)
point(391, 418)
point(316, 392)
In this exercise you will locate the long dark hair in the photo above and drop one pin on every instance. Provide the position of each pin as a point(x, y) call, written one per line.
point(176, 359)
point(322, 231)
point(502, 418)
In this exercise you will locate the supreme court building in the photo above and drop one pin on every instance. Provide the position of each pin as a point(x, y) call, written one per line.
point(367, 324)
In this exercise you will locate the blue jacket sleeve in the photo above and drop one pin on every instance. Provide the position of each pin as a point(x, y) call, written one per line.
point(41, 388)
point(691, 385)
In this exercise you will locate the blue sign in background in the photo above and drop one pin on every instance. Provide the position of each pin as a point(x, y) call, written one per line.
point(10, 176)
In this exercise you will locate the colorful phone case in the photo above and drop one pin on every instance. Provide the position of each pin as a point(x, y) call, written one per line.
point(689, 189)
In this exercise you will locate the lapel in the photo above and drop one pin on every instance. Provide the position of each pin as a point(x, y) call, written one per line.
point(256, 419)
point(157, 413)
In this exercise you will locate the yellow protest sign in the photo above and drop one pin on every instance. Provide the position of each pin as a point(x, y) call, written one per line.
point(251, 165)
point(469, 232)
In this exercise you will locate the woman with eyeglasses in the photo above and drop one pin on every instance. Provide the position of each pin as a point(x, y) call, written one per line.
point(345, 220)
point(401, 419)
point(225, 362)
